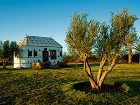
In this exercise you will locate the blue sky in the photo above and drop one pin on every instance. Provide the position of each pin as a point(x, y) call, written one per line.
point(51, 18)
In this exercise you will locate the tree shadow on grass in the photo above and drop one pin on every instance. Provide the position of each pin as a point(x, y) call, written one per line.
point(85, 87)
point(6, 101)
point(134, 86)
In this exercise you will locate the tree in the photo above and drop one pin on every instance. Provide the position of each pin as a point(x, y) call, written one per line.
point(111, 40)
point(130, 40)
point(80, 38)
point(7, 51)
point(107, 41)
point(137, 47)
point(14, 48)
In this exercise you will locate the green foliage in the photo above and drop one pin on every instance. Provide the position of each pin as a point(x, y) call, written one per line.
point(131, 38)
point(122, 31)
point(108, 39)
point(112, 37)
point(72, 58)
point(81, 34)
point(121, 25)
point(103, 41)
point(14, 48)
point(8, 49)
point(137, 47)
point(7, 52)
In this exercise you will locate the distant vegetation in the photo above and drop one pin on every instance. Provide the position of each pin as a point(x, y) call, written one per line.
point(7, 52)
point(71, 58)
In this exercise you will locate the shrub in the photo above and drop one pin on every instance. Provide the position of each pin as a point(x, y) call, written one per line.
point(125, 87)
point(62, 64)
point(45, 65)
point(35, 65)
point(1, 63)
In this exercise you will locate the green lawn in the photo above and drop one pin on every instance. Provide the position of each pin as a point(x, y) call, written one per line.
point(45, 87)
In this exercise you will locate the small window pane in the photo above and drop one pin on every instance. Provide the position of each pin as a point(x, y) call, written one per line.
point(60, 53)
point(29, 53)
point(53, 54)
point(35, 53)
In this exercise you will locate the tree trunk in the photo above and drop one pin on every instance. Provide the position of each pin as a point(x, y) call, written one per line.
point(88, 72)
point(4, 64)
point(107, 71)
point(93, 84)
point(102, 63)
point(102, 79)
point(129, 54)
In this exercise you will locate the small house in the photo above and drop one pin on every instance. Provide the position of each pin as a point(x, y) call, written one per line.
point(37, 49)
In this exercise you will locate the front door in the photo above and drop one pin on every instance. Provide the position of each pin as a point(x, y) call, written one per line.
point(45, 56)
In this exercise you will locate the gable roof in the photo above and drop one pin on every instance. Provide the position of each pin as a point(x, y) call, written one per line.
point(38, 41)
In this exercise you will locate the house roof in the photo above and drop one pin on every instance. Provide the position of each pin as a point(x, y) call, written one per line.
point(38, 41)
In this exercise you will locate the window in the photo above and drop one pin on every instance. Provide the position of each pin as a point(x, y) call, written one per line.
point(35, 53)
point(53, 54)
point(29, 53)
point(60, 53)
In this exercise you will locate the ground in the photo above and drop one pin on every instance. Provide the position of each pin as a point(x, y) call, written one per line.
point(55, 87)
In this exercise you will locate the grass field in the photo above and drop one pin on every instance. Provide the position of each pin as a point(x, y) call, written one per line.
point(54, 87)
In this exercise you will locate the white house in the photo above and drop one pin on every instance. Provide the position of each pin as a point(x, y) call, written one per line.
point(37, 49)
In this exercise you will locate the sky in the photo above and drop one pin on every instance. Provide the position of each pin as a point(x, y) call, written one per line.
point(51, 18)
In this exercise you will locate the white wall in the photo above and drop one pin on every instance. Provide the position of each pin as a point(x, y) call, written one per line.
point(25, 61)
